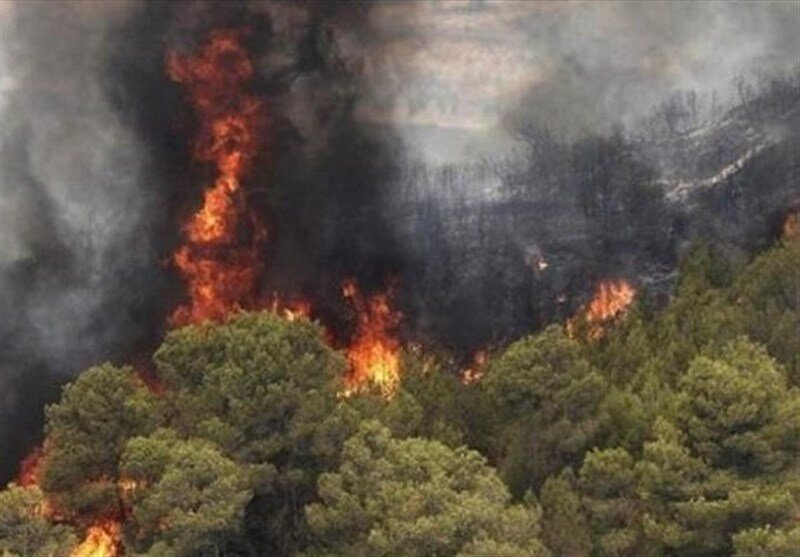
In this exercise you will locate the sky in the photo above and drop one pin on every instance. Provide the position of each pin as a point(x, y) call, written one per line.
point(479, 66)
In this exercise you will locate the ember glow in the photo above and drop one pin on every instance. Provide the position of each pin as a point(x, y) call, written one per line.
point(374, 352)
point(102, 540)
point(791, 224)
point(476, 370)
point(29, 468)
point(611, 299)
point(291, 310)
point(219, 257)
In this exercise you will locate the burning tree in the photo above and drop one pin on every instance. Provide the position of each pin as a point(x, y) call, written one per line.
point(374, 351)
point(220, 265)
point(610, 301)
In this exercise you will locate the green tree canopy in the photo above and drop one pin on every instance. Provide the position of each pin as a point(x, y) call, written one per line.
point(415, 497)
point(542, 396)
point(264, 390)
point(733, 409)
point(87, 431)
point(25, 530)
point(186, 497)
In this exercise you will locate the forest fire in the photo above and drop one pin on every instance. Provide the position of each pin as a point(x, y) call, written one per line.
point(29, 468)
point(219, 258)
point(291, 310)
point(102, 540)
point(791, 224)
point(476, 370)
point(374, 353)
point(610, 300)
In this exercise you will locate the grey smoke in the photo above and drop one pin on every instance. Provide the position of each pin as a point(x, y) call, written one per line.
point(477, 67)
point(77, 212)
point(74, 179)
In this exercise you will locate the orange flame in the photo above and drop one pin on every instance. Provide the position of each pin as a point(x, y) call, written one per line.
point(28, 476)
point(476, 370)
point(102, 540)
point(611, 299)
point(221, 269)
point(128, 485)
point(791, 225)
point(374, 353)
point(291, 310)
point(29, 468)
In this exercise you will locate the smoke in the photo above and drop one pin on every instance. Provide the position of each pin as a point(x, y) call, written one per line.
point(97, 175)
point(575, 67)
point(78, 212)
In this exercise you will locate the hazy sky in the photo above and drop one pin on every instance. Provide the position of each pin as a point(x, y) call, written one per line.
point(581, 65)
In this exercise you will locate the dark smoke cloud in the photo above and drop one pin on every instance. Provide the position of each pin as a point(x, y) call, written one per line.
point(78, 212)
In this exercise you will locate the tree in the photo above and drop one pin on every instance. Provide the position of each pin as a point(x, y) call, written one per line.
point(429, 401)
point(668, 477)
point(564, 527)
point(542, 396)
point(25, 529)
point(607, 481)
point(672, 502)
point(415, 497)
point(732, 409)
point(767, 294)
point(699, 316)
point(767, 542)
point(87, 431)
point(264, 390)
point(186, 497)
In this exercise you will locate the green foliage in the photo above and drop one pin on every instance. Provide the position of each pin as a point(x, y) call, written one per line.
point(672, 502)
point(564, 527)
point(260, 387)
point(24, 531)
point(87, 431)
point(767, 542)
point(429, 401)
point(683, 424)
point(415, 497)
point(767, 294)
point(542, 399)
point(264, 390)
point(731, 409)
point(189, 499)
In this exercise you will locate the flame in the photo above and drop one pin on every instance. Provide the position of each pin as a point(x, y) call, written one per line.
point(219, 257)
point(476, 370)
point(291, 310)
point(29, 468)
point(611, 299)
point(128, 485)
point(102, 540)
point(374, 352)
point(791, 225)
